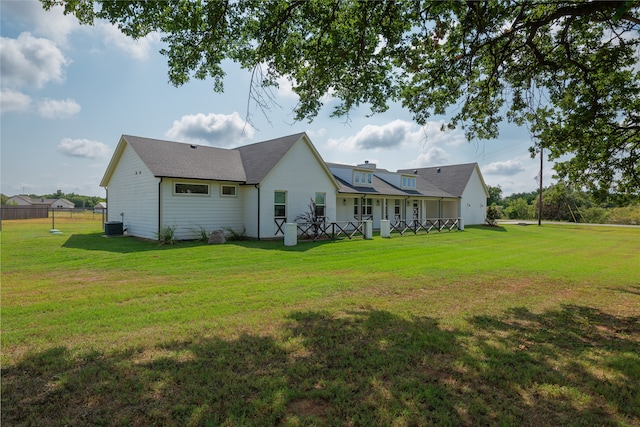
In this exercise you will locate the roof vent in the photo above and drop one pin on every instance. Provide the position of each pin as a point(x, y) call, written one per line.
point(438, 170)
point(194, 146)
point(415, 171)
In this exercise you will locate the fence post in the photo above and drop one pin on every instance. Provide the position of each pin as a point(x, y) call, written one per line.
point(460, 224)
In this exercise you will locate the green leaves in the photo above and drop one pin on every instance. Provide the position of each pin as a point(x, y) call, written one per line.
point(566, 69)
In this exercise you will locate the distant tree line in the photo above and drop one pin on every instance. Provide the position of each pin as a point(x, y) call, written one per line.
point(563, 202)
point(80, 201)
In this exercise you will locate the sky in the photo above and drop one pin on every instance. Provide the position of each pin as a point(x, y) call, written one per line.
point(68, 92)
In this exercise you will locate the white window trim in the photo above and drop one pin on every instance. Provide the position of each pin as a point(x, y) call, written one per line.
point(362, 178)
point(408, 181)
point(235, 190)
point(286, 199)
point(175, 193)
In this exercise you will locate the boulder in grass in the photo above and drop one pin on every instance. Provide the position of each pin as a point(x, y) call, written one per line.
point(217, 237)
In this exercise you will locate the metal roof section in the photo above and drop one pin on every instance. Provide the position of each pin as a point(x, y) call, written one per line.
point(384, 183)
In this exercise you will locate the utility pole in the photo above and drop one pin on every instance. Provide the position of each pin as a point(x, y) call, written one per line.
point(540, 199)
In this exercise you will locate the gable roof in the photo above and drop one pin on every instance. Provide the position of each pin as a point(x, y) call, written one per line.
point(40, 200)
point(453, 178)
point(248, 164)
point(258, 159)
point(179, 160)
point(380, 186)
point(22, 197)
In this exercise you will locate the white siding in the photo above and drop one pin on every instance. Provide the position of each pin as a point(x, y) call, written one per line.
point(344, 209)
point(301, 175)
point(250, 196)
point(189, 213)
point(449, 209)
point(133, 192)
point(474, 201)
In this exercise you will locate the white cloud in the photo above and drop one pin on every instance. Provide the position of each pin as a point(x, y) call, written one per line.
point(507, 168)
point(378, 137)
point(138, 49)
point(316, 133)
point(397, 134)
point(220, 130)
point(52, 24)
point(83, 148)
point(432, 157)
point(285, 88)
point(11, 100)
point(435, 135)
point(54, 109)
point(30, 62)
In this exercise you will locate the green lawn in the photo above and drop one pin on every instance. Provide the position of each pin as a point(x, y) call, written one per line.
point(514, 325)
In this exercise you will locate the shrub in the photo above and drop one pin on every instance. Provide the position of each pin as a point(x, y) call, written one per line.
point(594, 215)
point(627, 215)
point(167, 235)
point(202, 232)
point(493, 213)
point(235, 235)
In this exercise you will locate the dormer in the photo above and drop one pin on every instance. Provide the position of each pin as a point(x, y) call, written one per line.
point(408, 182)
point(362, 178)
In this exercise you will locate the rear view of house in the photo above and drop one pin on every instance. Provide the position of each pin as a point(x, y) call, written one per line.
point(255, 189)
point(152, 184)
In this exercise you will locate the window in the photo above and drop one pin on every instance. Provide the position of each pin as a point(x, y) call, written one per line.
point(408, 182)
point(320, 204)
point(362, 178)
point(228, 190)
point(367, 207)
point(396, 209)
point(182, 188)
point(280, 204)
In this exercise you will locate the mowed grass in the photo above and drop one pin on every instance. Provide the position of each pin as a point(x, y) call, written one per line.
point(514, 325)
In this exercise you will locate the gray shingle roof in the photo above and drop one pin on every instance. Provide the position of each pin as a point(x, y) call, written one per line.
point(259, 158)
point(453, 179)
point(179, 160)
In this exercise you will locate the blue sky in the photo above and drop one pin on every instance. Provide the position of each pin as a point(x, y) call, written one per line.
point(70, 91)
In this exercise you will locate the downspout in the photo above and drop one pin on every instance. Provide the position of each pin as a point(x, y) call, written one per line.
point(106, 190)
point(258, 188)
point(159, 207)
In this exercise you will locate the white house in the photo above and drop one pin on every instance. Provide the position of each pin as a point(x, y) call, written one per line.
point(464, 181)
point(23, 200)
point(254, 189)
point(100, 207)
point(153, 184)
point(367, 192)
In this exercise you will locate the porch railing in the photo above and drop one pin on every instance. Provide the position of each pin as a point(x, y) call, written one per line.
point(354, 228)
point(430, 224)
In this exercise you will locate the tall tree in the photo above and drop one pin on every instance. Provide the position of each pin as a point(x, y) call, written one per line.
point(495, 195)
point(566, 69)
